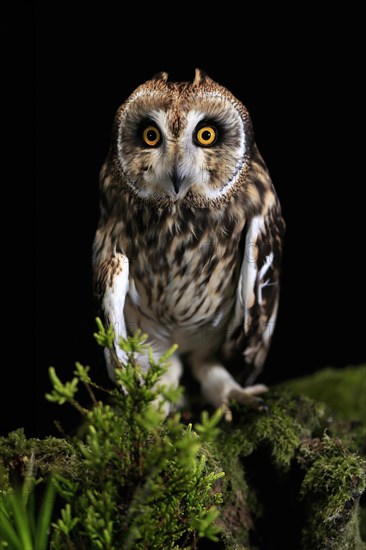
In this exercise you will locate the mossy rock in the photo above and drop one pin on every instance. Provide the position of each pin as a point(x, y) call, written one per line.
point(343, 392)
point(303, 487)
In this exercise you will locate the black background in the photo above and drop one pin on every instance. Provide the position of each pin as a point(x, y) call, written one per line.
point(299, 83)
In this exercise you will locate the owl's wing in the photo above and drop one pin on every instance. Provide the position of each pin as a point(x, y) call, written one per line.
point(111, 283)
point(258, 289)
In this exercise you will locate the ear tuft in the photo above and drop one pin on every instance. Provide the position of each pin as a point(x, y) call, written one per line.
point(200, 77)
point(160, 76)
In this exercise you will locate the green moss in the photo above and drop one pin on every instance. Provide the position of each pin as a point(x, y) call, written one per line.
point(20, 456)
point(235, 518)
point(343, 393)
point(279, 430)
point(362, 522)
point(332, 486)
point(4, 478)
point(315, 506)
point(343, 390)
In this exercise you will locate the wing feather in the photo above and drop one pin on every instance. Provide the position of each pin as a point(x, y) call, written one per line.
point(258, 289)
point(111, 283)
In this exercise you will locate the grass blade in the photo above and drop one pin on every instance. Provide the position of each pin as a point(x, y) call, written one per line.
point(44, 518)
point(7, 531)
point(21, 521)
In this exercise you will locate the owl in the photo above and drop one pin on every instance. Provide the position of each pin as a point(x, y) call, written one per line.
point(190, 235)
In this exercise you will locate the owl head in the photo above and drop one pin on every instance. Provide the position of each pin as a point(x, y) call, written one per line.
point(187, 142)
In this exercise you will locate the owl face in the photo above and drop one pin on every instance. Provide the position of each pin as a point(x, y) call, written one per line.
point(176, 142)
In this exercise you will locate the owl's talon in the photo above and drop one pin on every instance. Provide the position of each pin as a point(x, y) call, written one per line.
point(226, 412)
point(265, 408)
point(248, 396)
point(258, 404)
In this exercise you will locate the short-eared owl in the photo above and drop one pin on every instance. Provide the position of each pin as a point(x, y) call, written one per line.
point(189, 240)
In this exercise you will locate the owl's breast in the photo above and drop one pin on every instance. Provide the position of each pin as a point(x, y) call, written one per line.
point(186, 290)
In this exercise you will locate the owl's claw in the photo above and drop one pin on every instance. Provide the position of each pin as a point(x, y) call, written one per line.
point(264, 408)
point(245, 396)
point(249, 397)
point(226, 412)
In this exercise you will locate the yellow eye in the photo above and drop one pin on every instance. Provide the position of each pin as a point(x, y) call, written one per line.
point(206, 135)
point(151, 136)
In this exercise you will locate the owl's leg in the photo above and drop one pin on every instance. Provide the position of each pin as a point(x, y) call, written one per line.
point(169, 379)
point(219, 387)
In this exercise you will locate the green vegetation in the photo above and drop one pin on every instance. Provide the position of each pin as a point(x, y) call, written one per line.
point(132, 481)
point(290, 477)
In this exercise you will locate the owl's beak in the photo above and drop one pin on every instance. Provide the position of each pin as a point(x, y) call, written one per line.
point(177, 179)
